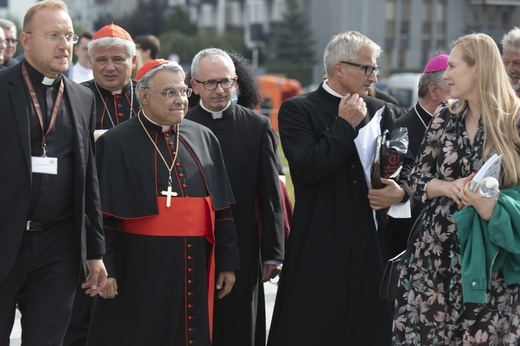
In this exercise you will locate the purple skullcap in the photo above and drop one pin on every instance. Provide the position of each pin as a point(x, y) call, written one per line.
point(438, 63)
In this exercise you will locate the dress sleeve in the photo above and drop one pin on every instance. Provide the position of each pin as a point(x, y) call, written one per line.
point(425, 168)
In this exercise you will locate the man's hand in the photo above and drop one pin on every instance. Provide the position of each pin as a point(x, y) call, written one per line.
point(270, 271)
point(225, 283)
point(110, 290)
point(385, 197)
point(353, 109)
point(97, 277)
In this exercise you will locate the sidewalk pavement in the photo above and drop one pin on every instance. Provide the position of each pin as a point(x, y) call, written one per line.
point(270, 294)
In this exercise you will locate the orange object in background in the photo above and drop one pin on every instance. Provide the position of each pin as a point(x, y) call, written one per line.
point(275, 90)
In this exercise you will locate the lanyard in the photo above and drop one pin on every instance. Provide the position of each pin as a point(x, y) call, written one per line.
point(54, 114)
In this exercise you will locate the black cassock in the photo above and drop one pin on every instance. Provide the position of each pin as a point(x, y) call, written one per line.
point(248, 146)
point(328, 293)
point(113, 109)
point(162, 280)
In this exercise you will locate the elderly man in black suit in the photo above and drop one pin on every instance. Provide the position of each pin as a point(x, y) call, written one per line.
point(50, 211)
point(333, 232)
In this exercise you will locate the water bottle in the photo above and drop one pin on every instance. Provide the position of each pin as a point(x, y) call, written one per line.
point(489, 187)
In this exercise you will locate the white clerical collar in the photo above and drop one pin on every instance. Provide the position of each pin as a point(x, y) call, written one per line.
point(215, 115)
point(165, 128)
point(424, 109)
point(329, 89)
point(48, 81)
point(117, 92)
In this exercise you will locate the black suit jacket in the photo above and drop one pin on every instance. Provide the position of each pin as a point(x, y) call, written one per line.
point(15, 170)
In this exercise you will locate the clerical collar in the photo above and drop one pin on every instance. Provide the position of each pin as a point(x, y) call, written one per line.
point(165, 128)
point(124, 89)
point(424, 109)
point(215, 115)
point(38, 77)
point(423, 115)
point(329, 89)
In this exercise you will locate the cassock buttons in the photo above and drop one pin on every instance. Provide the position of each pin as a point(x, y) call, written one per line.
point(178, 164)
point(190, 282)
point(190, 270)
point(184, 185)
point(190, 306)
point(191, 342)
point(190, 258)
point(181, 175)
point(190, 294)
point(189, 246)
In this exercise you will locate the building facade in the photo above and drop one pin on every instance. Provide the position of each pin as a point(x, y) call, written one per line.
point(409, 31)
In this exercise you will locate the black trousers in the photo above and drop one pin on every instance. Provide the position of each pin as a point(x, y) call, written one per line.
point(42, 285)
point(80, 319)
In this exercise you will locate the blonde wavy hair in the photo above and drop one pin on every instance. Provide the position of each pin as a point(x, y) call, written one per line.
point(498, 103)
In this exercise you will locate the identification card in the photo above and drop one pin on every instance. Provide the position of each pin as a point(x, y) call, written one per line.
point(44, 165)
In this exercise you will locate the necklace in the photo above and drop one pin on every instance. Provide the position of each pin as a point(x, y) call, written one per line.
point(419, 116)
point(168, 193)
point(106, 107)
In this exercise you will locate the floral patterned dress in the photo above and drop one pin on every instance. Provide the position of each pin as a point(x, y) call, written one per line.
point(430, 309)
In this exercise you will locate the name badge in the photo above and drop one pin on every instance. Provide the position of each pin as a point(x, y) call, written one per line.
point(44, 165)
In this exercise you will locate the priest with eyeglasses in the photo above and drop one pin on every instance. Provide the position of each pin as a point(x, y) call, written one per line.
point(249, 148)
point(171, 242)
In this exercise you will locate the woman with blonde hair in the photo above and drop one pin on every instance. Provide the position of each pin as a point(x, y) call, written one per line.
point(460, 281)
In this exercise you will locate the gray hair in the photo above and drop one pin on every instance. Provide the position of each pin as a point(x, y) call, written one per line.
point(6, 24)
point(146, 81)
point(511, 40)
point(109, 42)
point(431, 77)
point(209, 52)
point(347, 46)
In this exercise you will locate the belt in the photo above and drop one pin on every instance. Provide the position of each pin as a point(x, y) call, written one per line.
point(37, 226)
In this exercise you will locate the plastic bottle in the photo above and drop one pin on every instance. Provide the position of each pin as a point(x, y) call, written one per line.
point(489, 187)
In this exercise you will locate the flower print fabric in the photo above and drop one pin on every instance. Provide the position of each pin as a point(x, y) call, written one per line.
point(429, 309)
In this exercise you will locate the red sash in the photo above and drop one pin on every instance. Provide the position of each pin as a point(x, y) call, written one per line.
point(186, 217)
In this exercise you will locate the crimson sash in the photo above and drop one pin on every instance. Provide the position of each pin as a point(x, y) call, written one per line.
point(186, 217)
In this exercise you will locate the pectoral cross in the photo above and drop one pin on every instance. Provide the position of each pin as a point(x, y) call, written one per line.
point(169, 193)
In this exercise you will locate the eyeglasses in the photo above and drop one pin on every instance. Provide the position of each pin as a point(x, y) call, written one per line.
point(53, 38)
point(3, 43)
point(368, 69)
point(170, 93)
point(11, 40)
point(225, 83)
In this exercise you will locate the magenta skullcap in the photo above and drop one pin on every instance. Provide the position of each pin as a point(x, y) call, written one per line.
point(439, 63)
